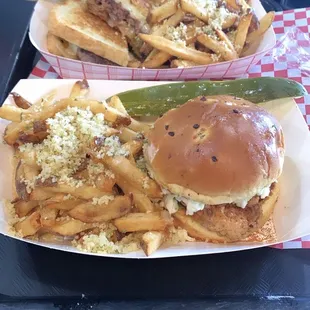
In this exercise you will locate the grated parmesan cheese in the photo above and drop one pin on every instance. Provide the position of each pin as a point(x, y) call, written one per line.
point(102, 243)
point(177, 34)
point(112, 147)
point(71, 132)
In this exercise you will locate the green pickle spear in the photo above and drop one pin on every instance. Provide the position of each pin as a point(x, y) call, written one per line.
point(156, 100)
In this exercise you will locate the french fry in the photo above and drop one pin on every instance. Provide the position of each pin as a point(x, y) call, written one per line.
point(127, 134)
point(163, 11)
point(20, 101)
point(111, 115)
point(229, 21)
point(105, 183)
point(89, 213)
point(55, 199)
point(143, 221)
point(140, 200)
point(151, 241)
point(30, 225)
point(156, 59)
point(80, 89)
point(122, 167)
point(219, 47)
point(176, 49)
point(193, 228)
point(133, 147)
point(233, 6)
point(29, 158)
point(69, 227)
point(12, 132)
point(31, 137)
point(52, 238)
point(264, 25)
point(191, 31)
point(242, 31)
point(30, 172)
point(22, 208)
point(226, 41)
point(65, 205)
point(191, 7)
point(83, 192)
point(12, 113)
point(181, 63)
point(161, 29)
point(172, 21)
point(40, 193)
point(44, 102)
point(254, 22)
point(20, 185)
point(116, 103)
point(48, 216)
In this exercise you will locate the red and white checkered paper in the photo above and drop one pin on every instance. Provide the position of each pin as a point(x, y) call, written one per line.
point(283, 67)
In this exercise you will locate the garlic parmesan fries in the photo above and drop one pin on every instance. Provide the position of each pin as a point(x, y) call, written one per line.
point(79, 175)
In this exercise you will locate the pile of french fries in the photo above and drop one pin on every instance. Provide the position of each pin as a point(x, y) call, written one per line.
point(55, 210)
point(239, 35)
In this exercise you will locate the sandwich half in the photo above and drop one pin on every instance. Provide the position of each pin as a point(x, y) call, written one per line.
point(72, 22)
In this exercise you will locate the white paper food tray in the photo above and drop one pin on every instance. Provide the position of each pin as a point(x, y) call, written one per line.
point(291, 217)
point(74, 69)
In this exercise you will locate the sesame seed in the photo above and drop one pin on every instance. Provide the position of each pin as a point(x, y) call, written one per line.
point(214, 159)
point(235, 111)
point(169, 156)
point(203, 98)
point(196, 126)
point(166, 127)
point(171, 133)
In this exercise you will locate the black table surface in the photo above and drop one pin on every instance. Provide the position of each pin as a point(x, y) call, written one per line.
point(32, 277)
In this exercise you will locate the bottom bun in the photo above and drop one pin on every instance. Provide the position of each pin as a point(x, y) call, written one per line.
point(228, 223)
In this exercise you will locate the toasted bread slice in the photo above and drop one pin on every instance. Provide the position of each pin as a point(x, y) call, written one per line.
point(71, 22)
point(60, 47)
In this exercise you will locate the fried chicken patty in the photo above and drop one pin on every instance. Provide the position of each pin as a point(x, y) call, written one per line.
point(231, 221)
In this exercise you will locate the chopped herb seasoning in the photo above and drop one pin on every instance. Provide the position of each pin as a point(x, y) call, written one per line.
point(203, 98)
point(166, 127)
point(235, 111)
point(196, 126)
point(171, 133)
point(214, 159)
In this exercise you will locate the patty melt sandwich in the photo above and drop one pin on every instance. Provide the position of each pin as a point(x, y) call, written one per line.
point(76, 33)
